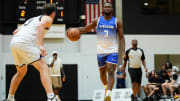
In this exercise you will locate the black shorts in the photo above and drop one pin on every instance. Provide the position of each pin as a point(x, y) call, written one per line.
point(135, 74)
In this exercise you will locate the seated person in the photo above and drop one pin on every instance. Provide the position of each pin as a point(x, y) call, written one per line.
point(120, 78)
point(170, 84)
point(151, 79)
point(156, 85)
point(163, 73)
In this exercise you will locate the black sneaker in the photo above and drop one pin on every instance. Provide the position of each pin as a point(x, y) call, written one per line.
point(135, 99)
point(132, 97)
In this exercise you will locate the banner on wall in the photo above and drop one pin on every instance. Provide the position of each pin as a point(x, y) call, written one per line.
point(116, 95)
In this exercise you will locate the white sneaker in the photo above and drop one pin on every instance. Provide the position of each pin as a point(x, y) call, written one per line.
point(9, 100)
point(52, 99)
point(107, 98)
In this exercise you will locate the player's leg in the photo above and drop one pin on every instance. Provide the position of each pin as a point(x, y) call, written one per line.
point(103, 74)
point(138, 80)
point(111, 62)
point(110, 82)
point(133, 76)
point(111, 68)
point(16, 80)
point(42, 67)
point(102, 69)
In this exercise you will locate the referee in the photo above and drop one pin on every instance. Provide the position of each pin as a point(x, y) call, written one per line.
point(135, 56)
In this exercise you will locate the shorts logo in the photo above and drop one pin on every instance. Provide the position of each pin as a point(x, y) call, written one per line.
point(113, 60)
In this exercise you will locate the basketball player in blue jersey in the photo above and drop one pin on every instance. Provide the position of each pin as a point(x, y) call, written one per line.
point(107, 46)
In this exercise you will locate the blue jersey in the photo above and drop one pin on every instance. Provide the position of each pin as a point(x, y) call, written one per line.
point(107, 36)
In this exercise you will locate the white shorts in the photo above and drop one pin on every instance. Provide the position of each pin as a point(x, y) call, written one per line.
point(24, 53)
point(56, 81)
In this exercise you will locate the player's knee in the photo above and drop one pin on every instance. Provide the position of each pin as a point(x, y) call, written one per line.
point(111, 72)
point(44, 68)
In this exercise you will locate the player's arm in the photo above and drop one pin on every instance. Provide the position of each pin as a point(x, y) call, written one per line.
point(121, 37)
point(126, 58)
point(63, 73)
point(143, 61)
point(45, 23)
point(124, 66)
point(52, 63)
point(89, 27)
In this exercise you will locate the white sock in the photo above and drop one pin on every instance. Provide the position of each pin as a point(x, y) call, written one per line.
point(108, 93)
point(105, 86)
point(57, 96)
point(10, 97)
point(50, 95)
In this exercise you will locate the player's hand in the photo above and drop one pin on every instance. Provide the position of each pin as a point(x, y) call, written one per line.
point(123, 55)
point(15, 31)
point(64, 79)
point(43, 51)
point(68, 30)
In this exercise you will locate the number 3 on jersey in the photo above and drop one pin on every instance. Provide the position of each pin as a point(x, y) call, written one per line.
point(106, 33)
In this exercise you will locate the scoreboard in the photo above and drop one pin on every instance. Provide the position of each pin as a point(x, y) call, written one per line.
point(31, 8)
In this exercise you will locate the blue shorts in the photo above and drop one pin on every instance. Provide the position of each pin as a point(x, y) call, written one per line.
point(107, 58)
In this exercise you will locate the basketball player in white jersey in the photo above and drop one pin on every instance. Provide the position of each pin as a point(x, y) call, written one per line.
point(107, 46)
point(27, 48)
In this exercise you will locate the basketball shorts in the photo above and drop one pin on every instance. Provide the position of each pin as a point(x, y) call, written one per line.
point(135, 74)
point(24, 53)
point(107, 58)
point(56, 81)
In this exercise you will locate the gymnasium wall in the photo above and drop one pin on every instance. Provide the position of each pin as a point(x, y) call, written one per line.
point(83, 53)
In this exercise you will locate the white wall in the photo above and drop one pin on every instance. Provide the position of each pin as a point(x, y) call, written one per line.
point(1, 82)
point(83, 53)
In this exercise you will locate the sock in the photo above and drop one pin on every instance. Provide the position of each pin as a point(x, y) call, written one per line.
point(57, 96)
point(10, 97)
point(50, 95)
point(105, 86)
point(108, 93)
point(164, 95)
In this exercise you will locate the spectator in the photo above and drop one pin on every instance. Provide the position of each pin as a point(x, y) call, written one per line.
point(56, 68)
point(170, 84)
point(120, 78)
point(168, 65)
point(175, 69)
point(155, 85)
point(151, 78)
point(163, 73)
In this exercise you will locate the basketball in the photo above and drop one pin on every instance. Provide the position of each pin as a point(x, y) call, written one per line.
point(73, 34)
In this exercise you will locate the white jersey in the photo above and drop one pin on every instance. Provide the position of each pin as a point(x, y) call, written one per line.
point(28, 31)
point(56, 69)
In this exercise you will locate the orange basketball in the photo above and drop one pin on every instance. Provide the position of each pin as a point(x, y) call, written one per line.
point(73, 34)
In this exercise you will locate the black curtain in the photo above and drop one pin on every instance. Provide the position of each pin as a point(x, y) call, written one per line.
point(8, 16)
point(31, 88)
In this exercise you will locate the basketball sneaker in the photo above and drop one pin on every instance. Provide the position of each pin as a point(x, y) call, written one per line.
point(52, 99)
point(107, 98)
point(9, 100)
